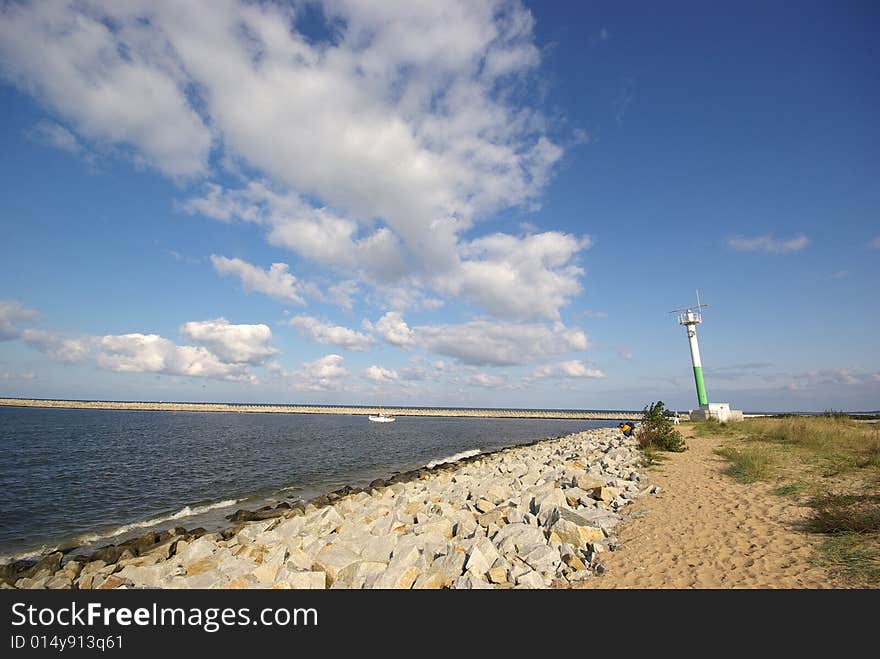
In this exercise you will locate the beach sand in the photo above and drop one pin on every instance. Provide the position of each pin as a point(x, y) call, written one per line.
point(705, 530)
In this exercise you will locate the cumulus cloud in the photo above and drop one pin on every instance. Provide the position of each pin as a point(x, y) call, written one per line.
point(568, 369)
point(57, 345)
point(12, 313)
point(150, 353)
point(111, 76)
point(529, 277)
point(768, 244)
point(323, 374)
point(232, 343)
point(276, 282)
point(314, 329)
point(225, 352)
point(380, 374)
point(393, 329)
point(54, 344)
point(486, 380)
point(342, 293)
point(384, 143)
point(483, 343)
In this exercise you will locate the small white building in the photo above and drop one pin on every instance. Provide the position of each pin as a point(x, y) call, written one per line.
point(719, 411)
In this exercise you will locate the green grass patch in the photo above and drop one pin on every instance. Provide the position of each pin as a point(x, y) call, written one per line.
point(653, 458)
point(832, 459)
point(714, 428)
point(846, 513)
point(793, 490)
point(747, 464)
point(854, 556)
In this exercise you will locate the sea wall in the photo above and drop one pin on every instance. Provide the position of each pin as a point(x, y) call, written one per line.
point(320, 409)
point(532, 516)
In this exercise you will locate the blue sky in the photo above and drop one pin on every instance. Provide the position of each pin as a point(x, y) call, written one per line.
point(478, 204)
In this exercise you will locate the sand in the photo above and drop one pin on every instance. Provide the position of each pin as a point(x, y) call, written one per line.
point(705, 530)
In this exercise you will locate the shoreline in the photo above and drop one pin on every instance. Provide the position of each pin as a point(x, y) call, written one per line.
point(244, 408)
point(155, 550)
point(254, 508)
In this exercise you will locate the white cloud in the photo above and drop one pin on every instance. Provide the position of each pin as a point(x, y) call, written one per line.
point(875, 244)
point(10, 375)
point(379, 374)
point(625, 354)
point(529, 277)
point(12, 313)
point(54, 344)
point(57, 136)
point(58, 346)
point(482, 343)
point(314, 329)
point(384, 143)
point(276, 282)
point(230, 348)
point(568, 369)
point(342, 293)
point(232, 343)
point(114, 78)
point(323, 374)
point(768, 244)
point(831, 376)
point(150, 353)
point(595, 314)
point(394, 330)
point(485, 380)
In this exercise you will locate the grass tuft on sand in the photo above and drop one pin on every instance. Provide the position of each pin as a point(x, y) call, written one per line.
point(830, 463)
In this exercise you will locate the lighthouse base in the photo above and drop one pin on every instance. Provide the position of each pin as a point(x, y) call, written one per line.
point(718, 411)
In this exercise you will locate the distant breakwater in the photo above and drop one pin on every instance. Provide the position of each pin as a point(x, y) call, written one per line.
point(319, 409)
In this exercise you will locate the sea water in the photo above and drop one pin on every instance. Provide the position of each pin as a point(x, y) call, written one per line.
point(87, 478)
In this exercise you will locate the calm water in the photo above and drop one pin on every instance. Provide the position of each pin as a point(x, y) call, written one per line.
point(80, 477)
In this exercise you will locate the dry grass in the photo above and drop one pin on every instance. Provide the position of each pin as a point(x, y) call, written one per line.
point(829, 463)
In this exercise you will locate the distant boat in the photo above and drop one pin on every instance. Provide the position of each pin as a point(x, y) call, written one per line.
point(381, 417)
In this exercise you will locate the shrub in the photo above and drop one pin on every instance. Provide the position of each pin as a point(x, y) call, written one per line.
point(656, 429)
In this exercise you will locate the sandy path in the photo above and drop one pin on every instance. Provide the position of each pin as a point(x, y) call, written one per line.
point(705, 530)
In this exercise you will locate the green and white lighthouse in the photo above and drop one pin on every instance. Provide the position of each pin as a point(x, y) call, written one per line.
point(690, 318)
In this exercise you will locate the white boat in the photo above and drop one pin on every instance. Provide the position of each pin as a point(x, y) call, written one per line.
point(381, 417)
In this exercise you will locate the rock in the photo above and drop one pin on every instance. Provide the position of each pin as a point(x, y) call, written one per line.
point(573, 562)
point(440, 526)
point(497, 574)
point(484, 505)
point(605, 493)
point(111, 582)
point(470, 582)
point(299, 560)
point(398, 576)
point(194, 551)
point(516, 537)
point(362, 574)
point(552, 499)
point(313, 580)
point(379, 549)
point(494, 516)
point(49, 564)
point(530, 580)
point(574, 529)
point(108, 554)
point(333, 559)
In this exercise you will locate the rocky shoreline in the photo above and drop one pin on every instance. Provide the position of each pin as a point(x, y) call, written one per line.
point(528, 516)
